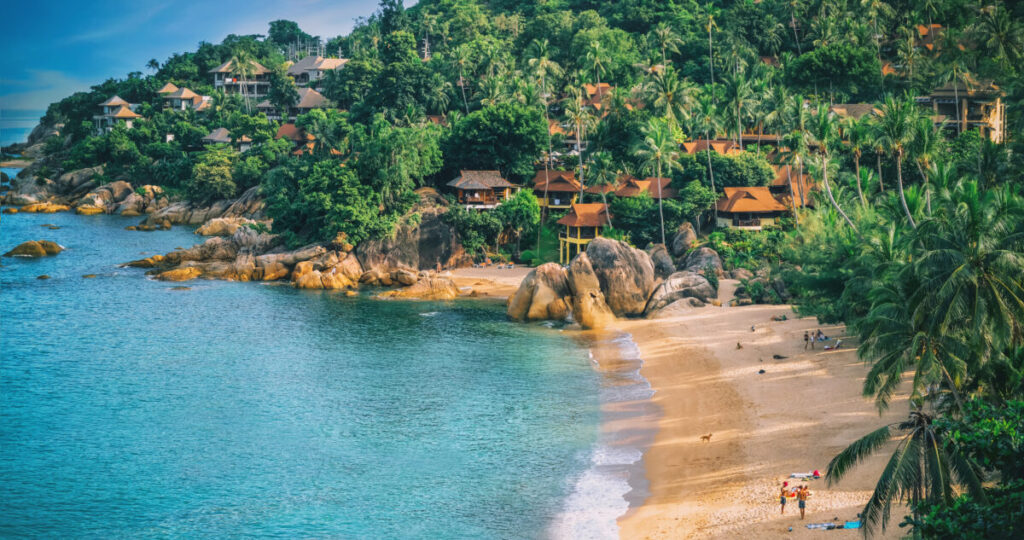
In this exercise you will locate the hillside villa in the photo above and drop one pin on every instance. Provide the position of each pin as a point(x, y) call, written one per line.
point(481, 190)
point(223, 136)
point(255, 84)
point(309, 99)
point(115, 110)
point(312, 69)
point(562, 189)
point(981, 106)
point(582, 224)
point(181, 99)
point(749, 208)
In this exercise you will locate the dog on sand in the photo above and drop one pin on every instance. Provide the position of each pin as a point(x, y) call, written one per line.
point(705, 438)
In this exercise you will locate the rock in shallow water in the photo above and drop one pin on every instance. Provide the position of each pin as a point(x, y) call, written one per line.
point(35, 248)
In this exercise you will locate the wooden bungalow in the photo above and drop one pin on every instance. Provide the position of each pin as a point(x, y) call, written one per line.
point(788, 178)
point(223, 136)
point(749, 208)
point(481, 190)
point(256, 84)
point(168, 88)
point(582, 224)
point(309, 99)
point(562, 188)
point(183, 99)
point(657, 188)
point(981, 106)
point(115, 110)
point(312, 69)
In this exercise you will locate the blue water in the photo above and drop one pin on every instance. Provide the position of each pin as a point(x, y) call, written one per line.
point(16, 124)
point(131, 409)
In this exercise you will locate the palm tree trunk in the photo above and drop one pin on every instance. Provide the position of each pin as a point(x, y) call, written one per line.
point(899, 178)
point(462, 86)
point(856, 171)
point(878, 163)
point(711, 172)
point(828, 190)
point(579, 152)
point(956, 96)
point(711, 58)
point(661, 213)
point(799, 183)
point(547, 178)
point(792, 196)
point(607, 214)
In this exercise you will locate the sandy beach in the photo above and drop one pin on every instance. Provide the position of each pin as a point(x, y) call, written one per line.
point(488, 281)
point(794, 417)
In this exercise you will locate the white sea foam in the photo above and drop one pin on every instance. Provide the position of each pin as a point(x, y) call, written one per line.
point(429, 314)
point(598, 495)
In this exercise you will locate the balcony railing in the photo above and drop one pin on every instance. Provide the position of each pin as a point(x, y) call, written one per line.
point(746, 222)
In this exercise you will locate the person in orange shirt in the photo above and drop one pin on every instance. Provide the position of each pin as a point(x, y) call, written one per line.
point(801, 497)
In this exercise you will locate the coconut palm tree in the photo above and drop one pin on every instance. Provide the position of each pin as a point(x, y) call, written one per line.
point(603, 173)
point(856, 131)
point(461, 59)
point(896, 121)
point(711, 59)
point(825, 132)
point(244, 66)
point(668, 95)
point(581, 120)
point(923, 468)
point(658, 151)
point(739, 95)
point(544, 69)
point(598, 60)
point(667, 40)
point(707, 121)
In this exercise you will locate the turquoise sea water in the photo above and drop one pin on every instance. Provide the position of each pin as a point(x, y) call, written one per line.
point(130, 409)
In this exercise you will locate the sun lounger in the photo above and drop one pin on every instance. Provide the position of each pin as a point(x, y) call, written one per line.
point(852, 525)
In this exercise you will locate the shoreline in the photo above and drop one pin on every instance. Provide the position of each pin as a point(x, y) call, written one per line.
point(795, 417)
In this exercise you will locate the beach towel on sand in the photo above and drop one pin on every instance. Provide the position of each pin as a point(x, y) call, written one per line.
point(826, 526)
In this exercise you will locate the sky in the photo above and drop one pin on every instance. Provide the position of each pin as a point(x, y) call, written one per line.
point(52, 48)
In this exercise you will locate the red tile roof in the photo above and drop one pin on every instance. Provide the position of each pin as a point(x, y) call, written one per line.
point(754, 200)
point(557, 181)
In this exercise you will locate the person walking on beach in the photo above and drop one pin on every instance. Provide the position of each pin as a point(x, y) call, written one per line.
point(782, 497)
point(801, 497)
point(807, 340)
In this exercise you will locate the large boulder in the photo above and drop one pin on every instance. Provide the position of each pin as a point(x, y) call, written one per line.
point(700, 259)
point(626, 275)
point(589, 306)
point(422, 241)
point(180, 274)
point(132, 205)
point(223, 226)
point(679, 307)
point(684, 239)
point(35, 248)
point(662, 261)
point(44, 208)
point(542, 287)
point(678, 286)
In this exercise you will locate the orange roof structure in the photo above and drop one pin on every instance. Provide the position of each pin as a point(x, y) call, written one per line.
point(438, 119)
point(586, 215)
point(228, 67)
point(854, 110)
point(479, 180)
point(633, 187)
point(555, 128)
point(724, 147)
point(295, 134)
point(167, 89)
point(182, 93)
point(887, 69)
point(556, 181)
point(785, 179)
point(751, 200)
point(311, 99)
point(602, 89)
point(125, 113)
point(114, 102)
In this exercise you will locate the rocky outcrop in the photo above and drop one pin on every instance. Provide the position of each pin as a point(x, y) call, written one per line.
point(678, 286)
point(662, 261)
point(539, 293)
point(35, 248)
point(79, 180)
point(589, 307)
point(179, 274)
point(223, 226)
point(426, 287)
point(700, 259)
point(249, 205)
point(626, 275)
point(422, 240)
point(44, 208)
point(683, 240)
point(679, 307)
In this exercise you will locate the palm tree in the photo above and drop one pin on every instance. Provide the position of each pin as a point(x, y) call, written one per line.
point(244, 66)
point(667, 40)
point(597, 59)
point(739, 94)
point(543, 68)
point(711, 59)
point(581, 120)
point(461, 60)
point(793, 5)
point(707, 120)
point(855, 132)
point(440, 94)
point(603, 174)
point(825, 133)
point(1000, 34)
point(875, 10)
point(896, 121)
point(658, 150)
point(153, 65)
point(668, 95)
point(922, 469)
